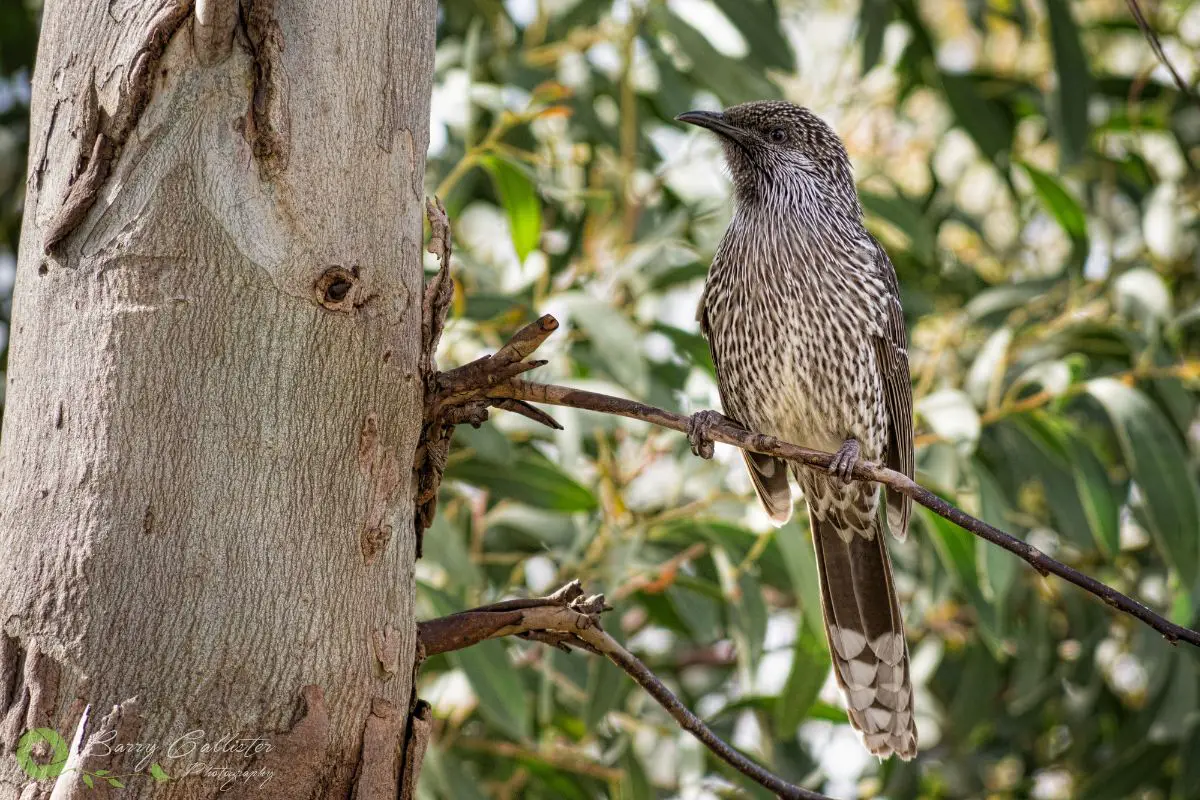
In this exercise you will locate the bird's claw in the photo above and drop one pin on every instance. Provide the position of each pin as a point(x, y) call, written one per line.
point(699, 426)
point(844, 460)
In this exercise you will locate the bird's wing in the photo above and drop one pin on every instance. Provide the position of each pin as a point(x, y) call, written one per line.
point(891, 351)
point(769, 474)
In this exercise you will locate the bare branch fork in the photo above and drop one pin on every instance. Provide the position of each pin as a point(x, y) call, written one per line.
point(568, 619)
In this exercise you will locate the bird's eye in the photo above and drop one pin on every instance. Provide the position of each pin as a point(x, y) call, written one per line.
point(778, 135)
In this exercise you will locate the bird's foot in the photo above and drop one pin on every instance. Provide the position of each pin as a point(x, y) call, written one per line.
point(842, 465)
point(699, 428)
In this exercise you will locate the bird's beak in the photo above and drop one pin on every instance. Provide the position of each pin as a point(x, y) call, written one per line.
point(715, 121)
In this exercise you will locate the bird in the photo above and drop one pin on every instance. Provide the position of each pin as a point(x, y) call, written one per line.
point(801, 310)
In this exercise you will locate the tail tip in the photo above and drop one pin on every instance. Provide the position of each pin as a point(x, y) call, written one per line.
point(886, 745)
point(780, 516)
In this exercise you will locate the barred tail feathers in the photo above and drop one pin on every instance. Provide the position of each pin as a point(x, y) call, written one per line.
point(866, 634)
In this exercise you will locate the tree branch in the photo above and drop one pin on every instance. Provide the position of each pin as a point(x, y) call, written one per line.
point(476, 384)
point(863, 471)
point(1156, 45)
point(568, 619)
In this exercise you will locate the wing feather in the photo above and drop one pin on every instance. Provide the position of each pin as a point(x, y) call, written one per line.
point(891, 351)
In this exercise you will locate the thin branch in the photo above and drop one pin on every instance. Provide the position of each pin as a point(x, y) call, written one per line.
point(568, 619)
point(863, 471)
point(1156, 45)
point(474, 386)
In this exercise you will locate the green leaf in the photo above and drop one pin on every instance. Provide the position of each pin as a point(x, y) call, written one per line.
point(810, 667)
point(519, 197)
point(1058, 202)
point(445, 544)
point(1048, 459)
point(532, 480)
point(691, 346)
point(748, 615)
point(873, 18)
point(448, 778)
point(731, 81)
point(906, 215)
point(1074, 82)
point(796, 546)
point(987, 370)
point(1187, 782)
point(116, 784)
point(1158, 463)
point(952, 415)
point(997, 567)
point(487, 443)
point(158, 773)
point(616, 341)
point(758, 22)
point(1126, 771)
point(503, 701)
point(956, 550)
point(605, 688)
point(635, 783)
point(1096, 496)
point(698, 611)
point(980, 117)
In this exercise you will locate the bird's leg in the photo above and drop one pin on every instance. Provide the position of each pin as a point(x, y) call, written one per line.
point(842, 465)
point(698, 431)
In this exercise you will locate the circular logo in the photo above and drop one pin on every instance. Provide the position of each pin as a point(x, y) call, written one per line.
point(54, 743)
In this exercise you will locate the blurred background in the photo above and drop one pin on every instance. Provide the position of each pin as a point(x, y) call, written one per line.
point(1032, 169)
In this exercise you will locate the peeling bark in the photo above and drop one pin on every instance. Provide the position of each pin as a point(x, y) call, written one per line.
point(105, 134)
point(420, 728)
point(193, 512)
point(212, 29)
point(268, 123)
point(379, 767)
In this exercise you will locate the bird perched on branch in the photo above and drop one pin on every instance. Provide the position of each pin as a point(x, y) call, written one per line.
point(802, 314)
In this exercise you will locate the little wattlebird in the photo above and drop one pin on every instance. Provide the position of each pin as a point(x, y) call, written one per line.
point(802, 314)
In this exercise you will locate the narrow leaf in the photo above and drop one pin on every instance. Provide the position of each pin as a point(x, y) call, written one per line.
point(980, 117)
point(532, 480)
point(1158, 463)
point(873, 18)
point(1058, 202)
point(520, 200)
point(1074, 82)
point(810, 667)
point(801, 563)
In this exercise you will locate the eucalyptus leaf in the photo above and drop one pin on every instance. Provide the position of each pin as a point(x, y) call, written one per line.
point(531, 479)
point(1074, 81)
point(1058, 202)
point(520, 200)
point(810, 668)
point(1159, 465)
point(616, 341)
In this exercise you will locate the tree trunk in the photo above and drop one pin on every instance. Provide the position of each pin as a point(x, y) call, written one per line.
point(213, 397)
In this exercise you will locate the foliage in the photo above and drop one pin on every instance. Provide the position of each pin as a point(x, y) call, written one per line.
point(1032, 182)
point(1033, 174)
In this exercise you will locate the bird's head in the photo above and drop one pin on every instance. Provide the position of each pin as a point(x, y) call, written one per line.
point(775, 147)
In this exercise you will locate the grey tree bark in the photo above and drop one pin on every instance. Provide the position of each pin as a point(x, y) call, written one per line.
point(213, 398)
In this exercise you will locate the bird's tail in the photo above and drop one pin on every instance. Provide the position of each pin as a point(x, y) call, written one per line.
point(866, 632)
